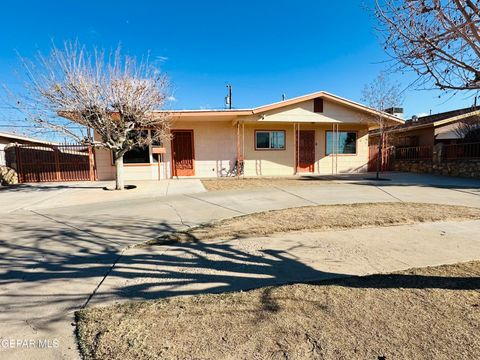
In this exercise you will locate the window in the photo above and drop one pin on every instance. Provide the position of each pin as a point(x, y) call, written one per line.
point(138, 155)
point(347, 142)
point(270, 140)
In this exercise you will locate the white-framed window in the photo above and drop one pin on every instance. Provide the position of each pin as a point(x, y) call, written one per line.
point(345, 142)
point(270, 139)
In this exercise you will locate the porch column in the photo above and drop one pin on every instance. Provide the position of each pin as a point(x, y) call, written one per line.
point(238, 149)
point(294, 149)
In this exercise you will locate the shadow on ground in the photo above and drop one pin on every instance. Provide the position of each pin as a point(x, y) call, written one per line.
point(47, 187)
point(50, 256)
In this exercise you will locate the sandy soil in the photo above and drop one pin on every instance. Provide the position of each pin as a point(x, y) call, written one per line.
point(250, 183)
point(429, 313)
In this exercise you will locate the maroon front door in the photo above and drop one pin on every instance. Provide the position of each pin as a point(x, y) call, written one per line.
point(183, 153)
point(306, 151)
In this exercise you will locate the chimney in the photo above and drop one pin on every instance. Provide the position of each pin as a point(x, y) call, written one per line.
point(395, 111)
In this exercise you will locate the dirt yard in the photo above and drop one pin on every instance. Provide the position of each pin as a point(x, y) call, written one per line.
point(323, 217)
point(250, 183)
point(429, 313)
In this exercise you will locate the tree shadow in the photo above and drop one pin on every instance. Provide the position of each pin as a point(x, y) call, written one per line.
point(61, 263)
point(48, 187)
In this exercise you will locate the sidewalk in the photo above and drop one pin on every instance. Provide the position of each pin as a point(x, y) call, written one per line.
point(51, 195)
point(220, 266)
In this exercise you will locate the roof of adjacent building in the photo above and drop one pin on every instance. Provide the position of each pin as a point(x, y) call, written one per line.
point(21, 138)
point(434, 120)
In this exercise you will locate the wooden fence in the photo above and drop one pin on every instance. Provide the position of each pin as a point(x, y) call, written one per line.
point(45, 163)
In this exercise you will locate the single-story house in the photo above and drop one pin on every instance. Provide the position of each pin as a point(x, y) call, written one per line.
point(319, 133)
point(427, 131)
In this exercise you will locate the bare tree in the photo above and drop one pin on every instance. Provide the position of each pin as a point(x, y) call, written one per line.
point(114, 95)
point(469, 129)
point(438, 39)
point(381, 95)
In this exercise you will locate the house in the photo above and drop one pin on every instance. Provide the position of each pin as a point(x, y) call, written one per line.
point(319, 133)
point(427, 131)
point(9, 138)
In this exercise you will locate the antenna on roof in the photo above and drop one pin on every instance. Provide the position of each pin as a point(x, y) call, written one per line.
point(228, 98)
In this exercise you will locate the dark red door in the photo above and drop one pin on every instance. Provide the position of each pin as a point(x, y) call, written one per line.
point(183, 153)
point(306, 151)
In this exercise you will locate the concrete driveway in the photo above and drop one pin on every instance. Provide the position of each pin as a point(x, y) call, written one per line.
point(64, 247)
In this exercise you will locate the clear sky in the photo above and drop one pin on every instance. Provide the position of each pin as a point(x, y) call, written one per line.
point(264, 48)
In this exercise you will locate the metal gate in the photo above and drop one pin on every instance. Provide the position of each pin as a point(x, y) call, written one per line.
point(386, 163)
point(45, 163)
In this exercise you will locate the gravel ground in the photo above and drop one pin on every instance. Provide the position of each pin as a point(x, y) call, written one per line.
point(428, 313)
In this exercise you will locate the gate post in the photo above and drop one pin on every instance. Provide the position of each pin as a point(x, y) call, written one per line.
point(57, 163)
point(18, 160)
point(91, 161)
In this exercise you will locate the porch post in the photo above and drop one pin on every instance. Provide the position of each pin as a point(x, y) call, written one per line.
point(294, 149)
point(238, 149)
point(243, 148)
point(336, 152)
point(333, 145)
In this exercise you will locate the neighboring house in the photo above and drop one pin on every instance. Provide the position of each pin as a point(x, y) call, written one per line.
point(427, 131)
point(8, 138)
point(331, 137)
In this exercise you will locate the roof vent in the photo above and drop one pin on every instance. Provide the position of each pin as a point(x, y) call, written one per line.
point(414, 118)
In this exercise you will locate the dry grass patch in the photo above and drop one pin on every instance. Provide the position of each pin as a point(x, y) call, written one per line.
point(323, 217)
point(430, 313)
point(251, 183)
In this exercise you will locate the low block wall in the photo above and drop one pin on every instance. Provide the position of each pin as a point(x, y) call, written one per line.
point(462, 168)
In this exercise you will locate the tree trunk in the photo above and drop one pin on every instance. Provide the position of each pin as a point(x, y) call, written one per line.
point(379, 160)
point(379, 156)
point(119, 181)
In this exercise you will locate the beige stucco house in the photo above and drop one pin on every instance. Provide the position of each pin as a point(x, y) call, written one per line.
point(319, 133)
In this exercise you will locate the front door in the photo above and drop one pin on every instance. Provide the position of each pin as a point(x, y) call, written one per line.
point(182, 153)
point(306, 151)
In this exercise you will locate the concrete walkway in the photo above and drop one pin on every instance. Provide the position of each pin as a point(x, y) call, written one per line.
point(220, 266)
point(51, 195)
point(57, 246)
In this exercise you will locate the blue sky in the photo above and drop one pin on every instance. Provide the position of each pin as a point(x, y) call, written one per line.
point(264, 48)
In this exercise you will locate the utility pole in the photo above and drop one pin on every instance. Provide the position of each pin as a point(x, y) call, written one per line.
point(228, 98)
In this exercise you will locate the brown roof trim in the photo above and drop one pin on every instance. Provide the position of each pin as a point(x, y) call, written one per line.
point(281, 104)
point(187, 113)
point(327, 96)
point(268, 107)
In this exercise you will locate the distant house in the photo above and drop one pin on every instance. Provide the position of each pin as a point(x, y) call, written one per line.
point(9, 138)
point(319, 133)
point(427, 131)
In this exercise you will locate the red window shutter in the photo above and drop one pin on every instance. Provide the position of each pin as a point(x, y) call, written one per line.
point(318, 105)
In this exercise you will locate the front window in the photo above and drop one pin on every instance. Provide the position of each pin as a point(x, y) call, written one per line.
point(345, 142)
point(270, 140)
point(140, 154)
